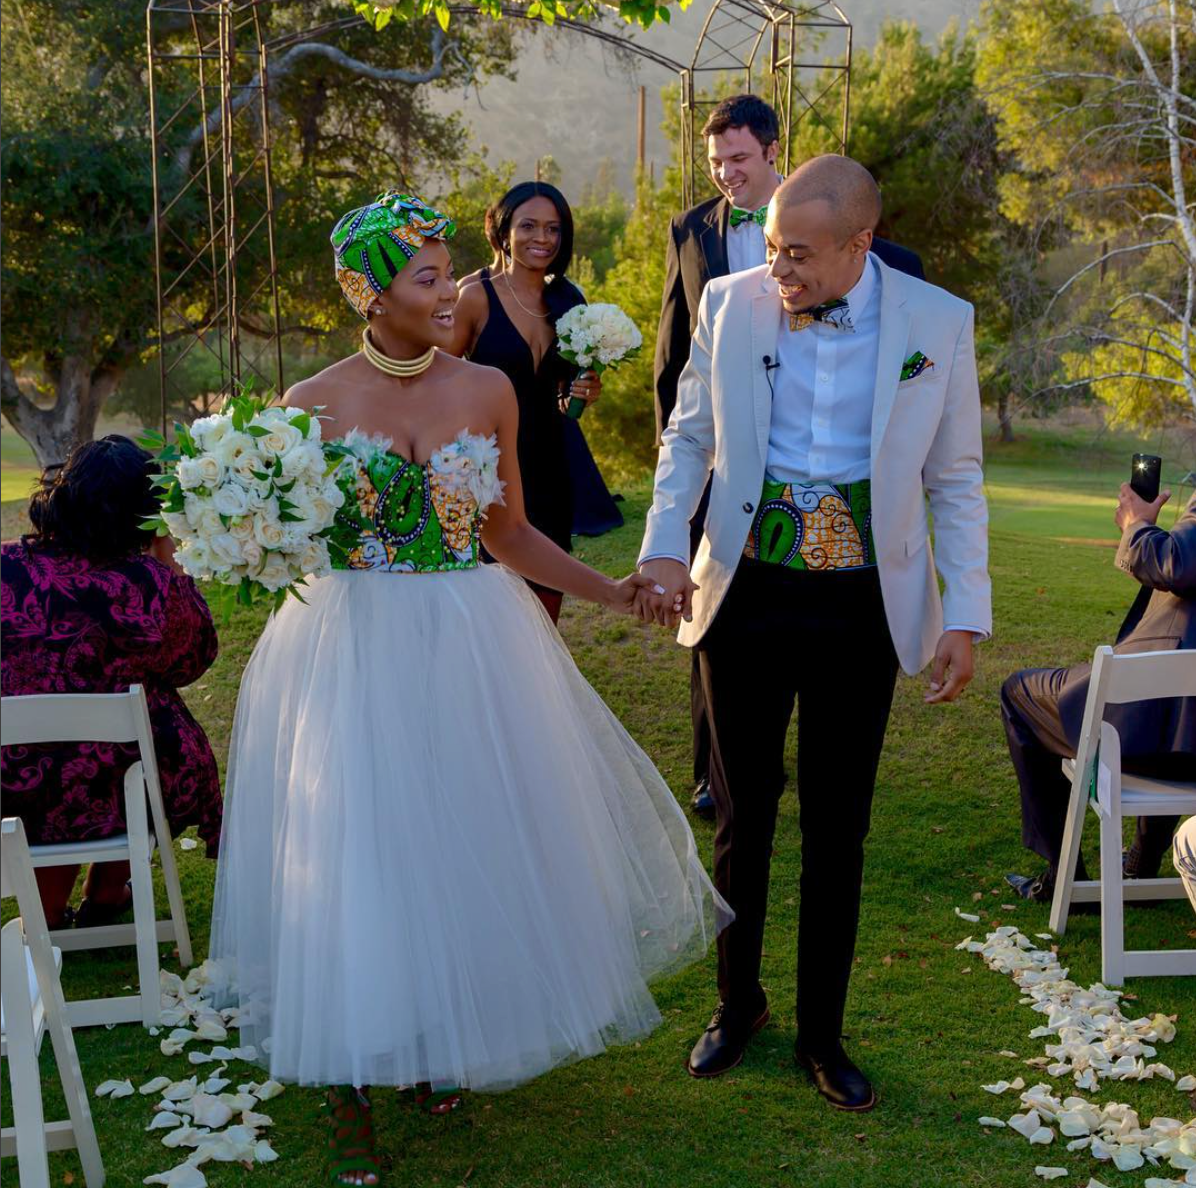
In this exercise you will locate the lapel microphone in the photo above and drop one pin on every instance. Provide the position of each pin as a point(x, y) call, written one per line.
point(769, 367)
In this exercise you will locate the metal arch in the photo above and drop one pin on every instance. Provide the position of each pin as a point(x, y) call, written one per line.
point(765, 42)
point(210, 133)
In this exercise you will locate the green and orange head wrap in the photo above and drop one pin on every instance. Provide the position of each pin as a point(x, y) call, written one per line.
point(373, 243)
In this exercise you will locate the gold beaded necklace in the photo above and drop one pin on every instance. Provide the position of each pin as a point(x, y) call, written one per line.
point(402, 368)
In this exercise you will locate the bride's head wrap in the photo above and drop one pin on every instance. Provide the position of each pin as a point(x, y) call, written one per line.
point(373, 243)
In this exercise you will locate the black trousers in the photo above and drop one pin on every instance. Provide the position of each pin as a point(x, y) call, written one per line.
point(1037, 743)
point(821, 639)
point(697, 699)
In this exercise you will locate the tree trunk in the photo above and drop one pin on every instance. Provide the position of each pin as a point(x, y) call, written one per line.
point(52, 432)
point(1005, 417)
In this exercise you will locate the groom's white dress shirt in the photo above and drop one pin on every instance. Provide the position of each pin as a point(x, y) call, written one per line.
point(837, 410)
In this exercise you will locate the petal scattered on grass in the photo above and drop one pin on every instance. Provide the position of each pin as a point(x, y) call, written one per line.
point(1050, 1173)
point(114, 1089)
point(968, 916)
point(188, 843)
point(1186, 1084)
point(186, 1175)
point(165, 1121)
point(154, 1086)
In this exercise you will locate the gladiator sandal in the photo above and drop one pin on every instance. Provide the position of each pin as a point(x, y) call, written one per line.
point(351, 1151)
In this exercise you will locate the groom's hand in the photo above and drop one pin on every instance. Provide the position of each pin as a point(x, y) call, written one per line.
point(677, 600)
point(953, 667)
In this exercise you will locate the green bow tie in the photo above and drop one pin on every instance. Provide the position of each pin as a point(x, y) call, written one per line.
point(749, 216)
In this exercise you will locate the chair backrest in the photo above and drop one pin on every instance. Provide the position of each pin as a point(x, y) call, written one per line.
point(16, 873)
point(1146, 676)
point(70, 717)
point(1118, 678)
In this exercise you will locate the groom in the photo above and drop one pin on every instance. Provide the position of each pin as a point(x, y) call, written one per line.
point(829, 396)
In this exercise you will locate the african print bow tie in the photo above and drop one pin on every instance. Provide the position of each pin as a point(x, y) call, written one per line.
point(739, 217)
point(835, 313)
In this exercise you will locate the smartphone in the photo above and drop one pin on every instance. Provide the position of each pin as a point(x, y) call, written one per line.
point(1144, 476)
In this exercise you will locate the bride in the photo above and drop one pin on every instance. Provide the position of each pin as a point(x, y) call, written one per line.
point(444, 860)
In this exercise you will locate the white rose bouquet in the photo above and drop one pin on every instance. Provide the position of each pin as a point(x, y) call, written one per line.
point(250, 498)
point(598, 338)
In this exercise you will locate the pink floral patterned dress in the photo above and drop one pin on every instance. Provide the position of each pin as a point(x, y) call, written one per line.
point(70, 626)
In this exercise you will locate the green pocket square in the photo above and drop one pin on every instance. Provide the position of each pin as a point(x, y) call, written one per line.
point(915, 365)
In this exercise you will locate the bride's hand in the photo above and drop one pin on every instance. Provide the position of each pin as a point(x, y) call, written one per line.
point(621, 596)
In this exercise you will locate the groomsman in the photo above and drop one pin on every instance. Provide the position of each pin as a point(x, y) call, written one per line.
point(715, 238)
point(826, 397)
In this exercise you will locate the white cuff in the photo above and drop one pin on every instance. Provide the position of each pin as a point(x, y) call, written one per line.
point(662, 557)
point(978, 636)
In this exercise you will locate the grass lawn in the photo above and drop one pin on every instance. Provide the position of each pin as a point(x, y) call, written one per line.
point(925, 1021)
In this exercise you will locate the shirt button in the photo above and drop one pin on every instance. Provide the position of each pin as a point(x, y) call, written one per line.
point(822, 375)
point(747, 507)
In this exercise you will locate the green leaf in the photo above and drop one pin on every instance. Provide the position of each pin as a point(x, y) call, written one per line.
point(303, 423)
point(257, 431)
point(442, 19)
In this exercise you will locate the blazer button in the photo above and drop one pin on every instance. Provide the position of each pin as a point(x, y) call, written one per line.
point(747, 507)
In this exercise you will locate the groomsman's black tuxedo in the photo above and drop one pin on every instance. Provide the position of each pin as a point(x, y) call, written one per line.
point(697, 253)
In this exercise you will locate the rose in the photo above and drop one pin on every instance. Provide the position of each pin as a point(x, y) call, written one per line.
point(251, 553)
point(301, 506)
point(203, 471)
point(231, 500)
point(225, 551)
point(267, 532)
point(195, 558)
point(209, 432)
point(177, 525)
point(242, 528)
point(323, 513)
point(281, 439)
point(315, 560)
point(293, 413)
point(331, 491)
point(259, 501)
point(305, 458)
point(232, 448)
point(245, 465)
point(275, 573)
point(187, 472)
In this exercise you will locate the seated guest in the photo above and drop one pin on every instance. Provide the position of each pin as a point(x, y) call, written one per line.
point(92, 603)
point(1043, 708)
point(1183, 854)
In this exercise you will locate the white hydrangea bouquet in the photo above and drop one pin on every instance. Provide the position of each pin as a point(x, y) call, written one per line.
point(597, 338)
point(249, 497)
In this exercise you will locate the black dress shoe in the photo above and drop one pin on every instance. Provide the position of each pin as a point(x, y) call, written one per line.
point(722, 1044)
point(837, 1079)
point(703, 803)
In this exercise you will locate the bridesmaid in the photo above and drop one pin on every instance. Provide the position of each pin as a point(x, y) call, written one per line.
point(506, 318)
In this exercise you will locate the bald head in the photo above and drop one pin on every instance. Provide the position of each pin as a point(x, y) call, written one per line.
point(848, 189)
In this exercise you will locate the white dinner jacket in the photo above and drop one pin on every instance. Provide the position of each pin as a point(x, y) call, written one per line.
point(926, 445)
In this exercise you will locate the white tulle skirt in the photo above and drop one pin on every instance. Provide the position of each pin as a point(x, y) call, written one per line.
point(443, 857)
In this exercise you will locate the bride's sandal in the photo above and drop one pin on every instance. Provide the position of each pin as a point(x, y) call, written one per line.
point(351, 1149)
point(438, 1101)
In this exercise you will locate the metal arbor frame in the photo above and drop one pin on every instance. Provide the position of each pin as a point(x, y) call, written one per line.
point(761, 41)
point(214, 202)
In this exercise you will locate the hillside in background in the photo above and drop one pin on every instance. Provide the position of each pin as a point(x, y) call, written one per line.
point(575, 99)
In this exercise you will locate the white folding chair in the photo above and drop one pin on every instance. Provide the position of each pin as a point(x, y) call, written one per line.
point(1097, 778)
point(117, 718)
point(32, 1000)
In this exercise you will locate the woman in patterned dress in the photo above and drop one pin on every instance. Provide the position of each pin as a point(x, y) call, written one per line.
point(91, 603)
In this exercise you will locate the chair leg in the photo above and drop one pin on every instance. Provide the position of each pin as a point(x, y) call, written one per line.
point(174, 894)
point(145, 917)
point(1112, 903)
point(24, 1075)
point(1065, 875)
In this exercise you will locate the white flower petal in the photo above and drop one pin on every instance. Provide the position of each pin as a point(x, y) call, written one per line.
point(114, 1089)
point(263, 1152)
point(1050, 1173)
point(165, 1121)
point(987, 1121)
point(1186, 1084)
point(185, 1175)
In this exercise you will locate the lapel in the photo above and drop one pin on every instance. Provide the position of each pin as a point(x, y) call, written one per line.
point(765, 319)
point(894, 338)
point(714, 239)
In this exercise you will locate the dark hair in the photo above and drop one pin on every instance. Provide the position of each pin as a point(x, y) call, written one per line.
point(94, 503)
point(502, 214)
point(744, 111)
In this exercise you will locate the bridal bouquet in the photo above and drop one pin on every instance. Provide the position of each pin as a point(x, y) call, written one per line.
point(250, 498)
point(598, 338)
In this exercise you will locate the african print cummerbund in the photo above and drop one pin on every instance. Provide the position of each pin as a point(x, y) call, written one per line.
point(813, 526)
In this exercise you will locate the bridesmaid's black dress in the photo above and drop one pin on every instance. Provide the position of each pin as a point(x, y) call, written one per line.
point(543, 462)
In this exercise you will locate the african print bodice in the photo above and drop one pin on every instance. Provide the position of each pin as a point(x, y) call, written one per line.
point(400, 517)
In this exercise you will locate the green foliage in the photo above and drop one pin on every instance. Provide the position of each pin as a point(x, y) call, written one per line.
point(645, 13)
point(621, 427)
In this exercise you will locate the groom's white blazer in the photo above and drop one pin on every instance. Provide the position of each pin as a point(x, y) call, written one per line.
point(926, 446)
